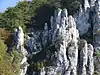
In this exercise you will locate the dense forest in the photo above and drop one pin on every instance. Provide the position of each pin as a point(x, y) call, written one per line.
point(27, 14)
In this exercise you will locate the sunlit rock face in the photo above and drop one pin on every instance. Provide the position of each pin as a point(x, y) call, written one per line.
point(19, 42)
point(86, 4)
point(59, 47)
point(19, 38)
point(85, 66)
point(92, 3)
point(91, 19)
point(90, 61)
point(23, 66)
point(70, 55)
point(62, 45)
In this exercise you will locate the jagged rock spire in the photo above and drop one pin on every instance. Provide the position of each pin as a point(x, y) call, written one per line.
point(92, 3)
point(63, 36)
point(97, 6)
point(51, 21)
point(80, 9)
point(82, 21)
point(19, 42)
point(58, 16)
point(19, 38)
point(90, 61)
point(46, 27)
point(70, 55)
point(86, 4)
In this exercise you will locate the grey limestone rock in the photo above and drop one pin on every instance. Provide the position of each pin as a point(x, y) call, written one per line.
point(92, 3)
point(85, 60)
point(82, 18)
point(19, 42)
point(96, 23)
point(71, 55)
point(86, 4)
point(90, 60)
point(96, 34)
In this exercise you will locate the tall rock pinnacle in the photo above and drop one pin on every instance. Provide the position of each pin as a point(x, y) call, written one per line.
point(62, 45)
point(86, 4)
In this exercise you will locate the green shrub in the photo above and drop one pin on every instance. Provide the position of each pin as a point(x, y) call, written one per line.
point(34, 13)
point(98, 54)
point(3, 49)
point(96, 73)
point(5, 36)
point(9, 62)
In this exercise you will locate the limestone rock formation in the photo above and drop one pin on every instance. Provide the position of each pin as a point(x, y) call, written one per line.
point(60, 48)
point(85, 66)
point(96, 24)
point(92, 3)
point(82, 18)
point(19, 38)
point(19, 42)
point(90, 60)
point(96, 34)
point(86, 4)
point(24, 66)
point(93, 22)
point(62, 45)
point(33, 43)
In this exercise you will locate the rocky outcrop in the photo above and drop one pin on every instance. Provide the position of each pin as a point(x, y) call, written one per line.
point(91, 20)
point(86, 5)
point(96, 25)
point(82, 18)
point(19, 42)
point(62, 45)
point(85, 66)
point(92, 3)
point(96, 34)
point(59, 47)
point(90, 60)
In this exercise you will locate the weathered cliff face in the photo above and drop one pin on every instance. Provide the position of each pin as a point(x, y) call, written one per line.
point(82, 18)
point(96, 34)
point(59, 48)
point(61, 44)
point(90, 25)
point(96, 25)
point(19, 42)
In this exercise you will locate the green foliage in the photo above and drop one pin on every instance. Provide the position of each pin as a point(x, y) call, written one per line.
point(14, 16)
point(37, 65)
point(59, 73)
point(9, 62)
point(96, 73)
point(34, 13)
point(98, 53)
point(71, 5)
point(55, 3)
point(5, 36)
point(3, 49)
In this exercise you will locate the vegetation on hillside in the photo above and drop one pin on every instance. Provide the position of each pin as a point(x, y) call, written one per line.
point(35, 13)
point(9, 62)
